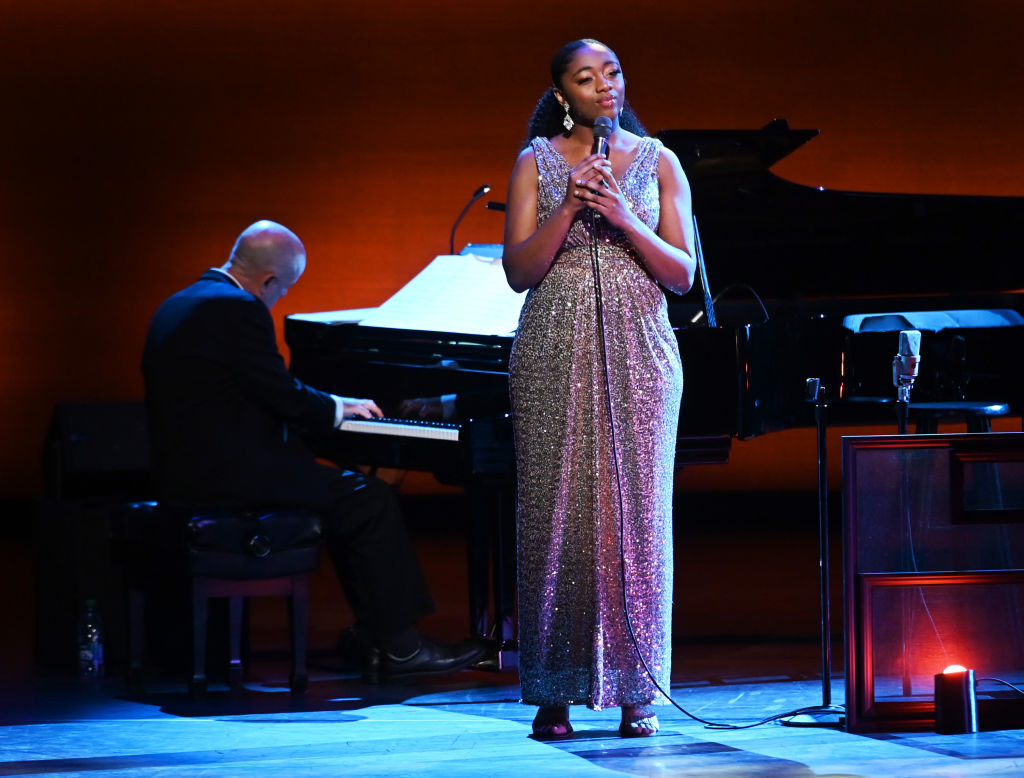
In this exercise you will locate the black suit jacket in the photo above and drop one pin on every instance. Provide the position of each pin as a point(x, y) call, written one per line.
point(222, 403)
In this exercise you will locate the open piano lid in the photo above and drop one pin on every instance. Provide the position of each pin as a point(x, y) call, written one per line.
point(790, 241)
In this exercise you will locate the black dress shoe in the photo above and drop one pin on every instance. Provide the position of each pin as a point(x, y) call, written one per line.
point(431, 659)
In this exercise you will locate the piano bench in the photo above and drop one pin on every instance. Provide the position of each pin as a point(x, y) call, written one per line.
point(975, 414)
point(232, 553)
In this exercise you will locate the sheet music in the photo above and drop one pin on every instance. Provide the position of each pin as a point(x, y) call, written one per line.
point(348, 316)
point(455, 293)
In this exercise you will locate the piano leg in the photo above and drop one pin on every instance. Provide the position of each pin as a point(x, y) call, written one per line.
point(492, 569)
point(477, 558)
point(505, 576)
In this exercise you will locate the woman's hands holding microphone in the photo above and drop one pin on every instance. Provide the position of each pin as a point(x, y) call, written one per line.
point(592, 185)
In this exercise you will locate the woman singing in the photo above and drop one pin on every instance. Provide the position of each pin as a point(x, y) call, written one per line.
point(595, 400)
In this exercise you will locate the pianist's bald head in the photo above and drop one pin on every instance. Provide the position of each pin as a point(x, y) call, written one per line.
point(267, 260)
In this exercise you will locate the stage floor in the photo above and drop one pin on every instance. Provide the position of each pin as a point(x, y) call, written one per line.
point(470, 724)
point(746, 647)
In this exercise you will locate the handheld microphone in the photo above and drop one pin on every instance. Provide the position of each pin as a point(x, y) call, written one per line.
point(906, 363)
point(602, 129)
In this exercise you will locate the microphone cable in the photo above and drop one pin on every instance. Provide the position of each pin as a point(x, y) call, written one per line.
point(592, 223)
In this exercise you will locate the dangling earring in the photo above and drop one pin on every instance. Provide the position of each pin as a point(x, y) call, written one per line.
point(567, 122)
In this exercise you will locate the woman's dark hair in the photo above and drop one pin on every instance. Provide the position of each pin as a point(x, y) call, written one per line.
point(546, 119)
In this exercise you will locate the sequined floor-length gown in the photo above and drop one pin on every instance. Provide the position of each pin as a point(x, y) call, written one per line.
point(574, 642)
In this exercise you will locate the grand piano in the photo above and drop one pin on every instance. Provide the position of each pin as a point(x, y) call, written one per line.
point(838, 272)
point(806, 282)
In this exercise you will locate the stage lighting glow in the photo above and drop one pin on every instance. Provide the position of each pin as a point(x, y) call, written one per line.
point(954, 669)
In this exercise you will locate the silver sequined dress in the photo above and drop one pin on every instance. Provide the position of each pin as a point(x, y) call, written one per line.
point(575, 646)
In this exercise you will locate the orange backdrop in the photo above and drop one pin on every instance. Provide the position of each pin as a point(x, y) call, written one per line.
point(138, 139)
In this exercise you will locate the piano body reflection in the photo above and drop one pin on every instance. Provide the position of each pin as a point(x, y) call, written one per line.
point(814, 283)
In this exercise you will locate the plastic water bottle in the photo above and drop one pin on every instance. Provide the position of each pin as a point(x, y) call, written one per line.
point(90, 642)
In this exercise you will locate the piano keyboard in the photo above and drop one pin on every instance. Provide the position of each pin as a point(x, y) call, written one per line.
point(404, 428)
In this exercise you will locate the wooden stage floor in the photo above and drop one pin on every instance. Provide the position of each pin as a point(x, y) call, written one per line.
point(746, 647)
point(467, 725)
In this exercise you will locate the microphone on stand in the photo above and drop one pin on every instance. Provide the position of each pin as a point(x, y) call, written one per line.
point(476, 196)
point(602, 129)
point(905, 364)
point(904, 370)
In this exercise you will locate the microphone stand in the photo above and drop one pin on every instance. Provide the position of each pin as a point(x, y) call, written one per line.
point(820, 407)
point(902, 406)
point(709, 303)
point(904, 371)
point(820, 717)
point(476, 196)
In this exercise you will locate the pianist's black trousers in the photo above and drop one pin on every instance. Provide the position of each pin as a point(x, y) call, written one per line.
point(372, 553)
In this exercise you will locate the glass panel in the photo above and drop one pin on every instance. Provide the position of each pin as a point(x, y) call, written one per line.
point(917, 631)
point(904, 513)
point(993, 486)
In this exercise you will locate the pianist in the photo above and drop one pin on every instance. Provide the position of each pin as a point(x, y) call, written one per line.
point(226, 418)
